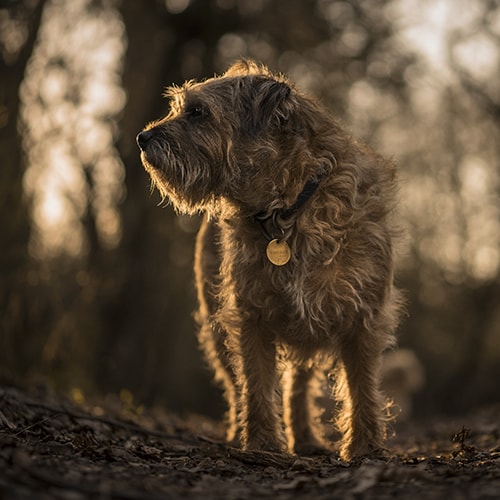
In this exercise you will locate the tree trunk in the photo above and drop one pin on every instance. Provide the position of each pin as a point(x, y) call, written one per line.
point(17, 286)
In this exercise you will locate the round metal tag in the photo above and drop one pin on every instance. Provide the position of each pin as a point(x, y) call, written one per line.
point(278, 252)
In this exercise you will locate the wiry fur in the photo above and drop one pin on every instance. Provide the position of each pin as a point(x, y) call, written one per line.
point(247, 143)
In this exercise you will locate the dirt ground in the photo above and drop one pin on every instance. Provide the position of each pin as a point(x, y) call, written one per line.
point(53, 448)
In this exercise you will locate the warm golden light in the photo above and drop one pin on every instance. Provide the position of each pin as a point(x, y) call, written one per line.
point(70, 98)
point(72, 95)
point(449, 179)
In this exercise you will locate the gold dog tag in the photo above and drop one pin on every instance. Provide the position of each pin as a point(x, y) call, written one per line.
point(278, 252)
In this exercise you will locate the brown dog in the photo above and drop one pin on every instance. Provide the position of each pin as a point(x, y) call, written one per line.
point(294, 259)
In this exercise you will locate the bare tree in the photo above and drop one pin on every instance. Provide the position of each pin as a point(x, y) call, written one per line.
point(18, 290)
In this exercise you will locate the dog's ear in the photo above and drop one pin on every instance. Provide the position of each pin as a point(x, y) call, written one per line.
point(245, 67)
point(270, 106)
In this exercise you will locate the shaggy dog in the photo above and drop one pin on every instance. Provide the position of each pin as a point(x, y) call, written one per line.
point(294, 258)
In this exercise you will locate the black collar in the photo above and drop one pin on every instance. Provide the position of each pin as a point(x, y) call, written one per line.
point(269, 224)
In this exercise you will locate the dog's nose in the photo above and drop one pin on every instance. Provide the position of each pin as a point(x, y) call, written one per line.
point(143, 138)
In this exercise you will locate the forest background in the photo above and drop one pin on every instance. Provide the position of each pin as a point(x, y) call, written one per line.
point(96, 284)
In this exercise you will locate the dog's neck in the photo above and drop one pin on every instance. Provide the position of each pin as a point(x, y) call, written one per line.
point(270, 222)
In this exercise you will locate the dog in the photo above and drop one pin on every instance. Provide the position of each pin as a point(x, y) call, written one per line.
point(294, 259)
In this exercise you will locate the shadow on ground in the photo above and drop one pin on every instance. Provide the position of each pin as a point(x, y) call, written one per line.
point(52, 448)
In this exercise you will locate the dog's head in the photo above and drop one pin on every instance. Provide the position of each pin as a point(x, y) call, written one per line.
point(231, 138)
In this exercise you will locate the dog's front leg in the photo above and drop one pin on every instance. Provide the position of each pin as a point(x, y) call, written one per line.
point(258, 379)
point(362, 419)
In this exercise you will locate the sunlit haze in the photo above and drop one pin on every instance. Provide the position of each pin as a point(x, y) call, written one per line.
point(72, 96)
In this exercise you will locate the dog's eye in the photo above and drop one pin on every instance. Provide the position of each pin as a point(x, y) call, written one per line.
point(196, 111)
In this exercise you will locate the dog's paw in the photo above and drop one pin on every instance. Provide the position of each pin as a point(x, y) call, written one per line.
point(359, 453)
point(268, 443)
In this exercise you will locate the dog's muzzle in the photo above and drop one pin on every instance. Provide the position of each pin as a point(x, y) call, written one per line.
point(143, 138)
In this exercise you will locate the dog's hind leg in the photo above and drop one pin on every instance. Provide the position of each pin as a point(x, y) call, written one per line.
point(301, 384)
point(212, 336)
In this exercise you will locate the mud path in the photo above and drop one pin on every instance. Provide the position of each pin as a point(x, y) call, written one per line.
point(52, 448)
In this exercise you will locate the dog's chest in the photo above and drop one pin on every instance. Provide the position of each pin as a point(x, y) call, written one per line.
point(290, 303)
point(296, 301)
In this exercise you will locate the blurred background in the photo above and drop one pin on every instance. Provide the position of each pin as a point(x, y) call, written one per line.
point(96, 284)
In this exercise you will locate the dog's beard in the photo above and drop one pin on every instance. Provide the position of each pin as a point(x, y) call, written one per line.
point(186, 186)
